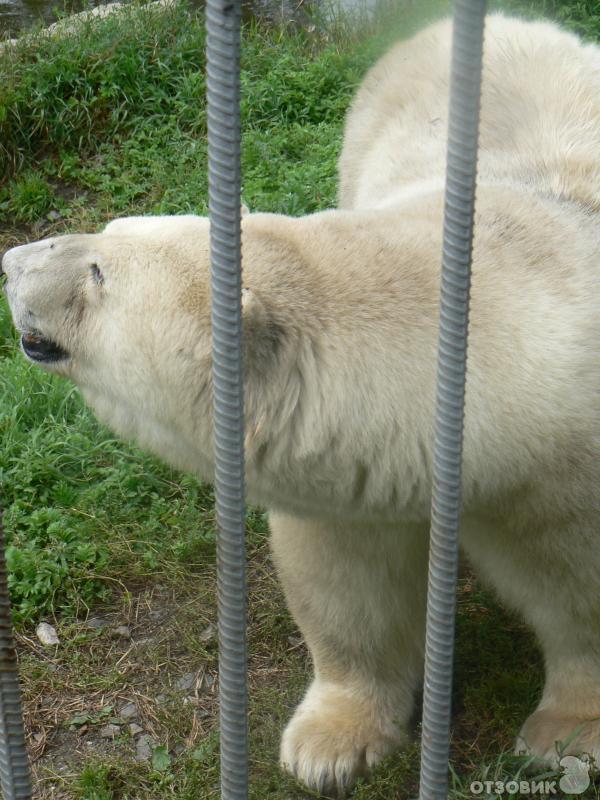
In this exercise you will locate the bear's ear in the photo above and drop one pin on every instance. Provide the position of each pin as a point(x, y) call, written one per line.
point(263, 334)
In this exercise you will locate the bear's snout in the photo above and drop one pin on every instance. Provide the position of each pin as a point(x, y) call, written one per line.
point(31, 289)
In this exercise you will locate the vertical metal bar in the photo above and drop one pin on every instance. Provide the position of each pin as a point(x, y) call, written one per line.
point(463, 134)
point(14, 764)
point(223, 24)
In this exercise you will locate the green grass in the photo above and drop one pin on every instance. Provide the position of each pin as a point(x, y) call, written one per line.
point(111, 121)
point(79, 506)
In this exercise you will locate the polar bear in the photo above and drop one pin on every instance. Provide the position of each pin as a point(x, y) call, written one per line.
point(340, 337)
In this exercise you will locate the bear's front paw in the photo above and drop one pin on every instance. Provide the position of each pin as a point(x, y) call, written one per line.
point(332, 740)
point(549, 735)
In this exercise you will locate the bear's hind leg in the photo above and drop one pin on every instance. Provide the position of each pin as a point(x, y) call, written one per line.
point(358, 595)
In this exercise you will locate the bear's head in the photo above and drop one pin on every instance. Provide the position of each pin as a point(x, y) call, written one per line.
point(125, 314)
point(73, 296)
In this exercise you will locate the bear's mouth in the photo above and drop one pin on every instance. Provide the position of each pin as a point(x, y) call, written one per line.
point(39, 348)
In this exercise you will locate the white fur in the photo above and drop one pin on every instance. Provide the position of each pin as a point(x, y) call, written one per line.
point(340, 337)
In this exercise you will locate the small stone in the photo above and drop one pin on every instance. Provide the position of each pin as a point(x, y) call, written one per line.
point(162, 699)
point(186, 682)
point(46, 634)
point(190, 700)
point(135, 729)
point(295, 641)
point(143, 748)
point(207, 634)
point(156, 616)
point(129, 712)
point(110, 731)
point(53, 215)
point(121, 632)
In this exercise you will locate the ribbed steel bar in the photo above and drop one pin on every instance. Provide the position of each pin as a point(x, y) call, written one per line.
point(463, 134)
point(14, 764)
point(223, 22)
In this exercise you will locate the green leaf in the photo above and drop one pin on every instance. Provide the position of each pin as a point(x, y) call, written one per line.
point(79, 719)
point(206, 749)
point(161, 760)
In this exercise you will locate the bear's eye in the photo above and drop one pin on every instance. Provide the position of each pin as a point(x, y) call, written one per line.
point(97, 276)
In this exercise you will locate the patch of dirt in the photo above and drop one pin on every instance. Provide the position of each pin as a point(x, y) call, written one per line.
point(144, 675)
point(118, 680)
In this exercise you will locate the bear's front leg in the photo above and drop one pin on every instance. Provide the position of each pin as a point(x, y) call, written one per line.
point(336, 734)
point(567, 719)
point(551, 574)
point(358, 593)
